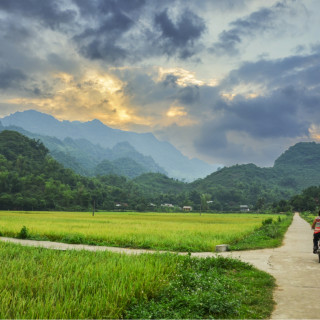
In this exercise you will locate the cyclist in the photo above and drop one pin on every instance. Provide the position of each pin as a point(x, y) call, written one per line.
point(316, 234)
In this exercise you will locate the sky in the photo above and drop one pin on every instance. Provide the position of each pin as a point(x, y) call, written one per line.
point(226, 81)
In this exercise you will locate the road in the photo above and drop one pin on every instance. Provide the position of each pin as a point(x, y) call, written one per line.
point(293, 265)
point(296, 269)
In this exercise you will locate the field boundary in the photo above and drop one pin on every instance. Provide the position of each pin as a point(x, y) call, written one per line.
point(67, 246)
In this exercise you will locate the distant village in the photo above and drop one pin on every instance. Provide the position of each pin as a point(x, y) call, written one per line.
point(152, 206)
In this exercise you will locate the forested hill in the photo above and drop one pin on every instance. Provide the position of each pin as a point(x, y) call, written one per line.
point(31, 179)
point(300, 164)
point(296, 169)
point(90, 159)
point(302, 154)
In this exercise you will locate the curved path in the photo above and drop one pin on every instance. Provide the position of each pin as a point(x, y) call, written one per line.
point(296, 269)
point(293, 265)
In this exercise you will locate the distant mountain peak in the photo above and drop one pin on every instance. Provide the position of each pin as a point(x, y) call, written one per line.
point(163, 153)
point(123, 145)
point(96, 121)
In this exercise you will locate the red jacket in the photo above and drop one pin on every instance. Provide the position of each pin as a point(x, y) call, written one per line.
point(316, 225)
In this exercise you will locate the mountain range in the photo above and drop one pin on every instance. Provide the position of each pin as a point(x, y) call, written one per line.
point(88, 159)
point(30, 178)
point(79, 141)
point(293, 171)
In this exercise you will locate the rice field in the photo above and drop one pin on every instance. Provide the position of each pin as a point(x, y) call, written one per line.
point(177, 232)
point(41, 284)
point(38, 283)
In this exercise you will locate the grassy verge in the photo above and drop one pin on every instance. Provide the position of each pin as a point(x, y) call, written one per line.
point(46, 284)
point(211, 288)
point(308, 216)
point(269, 235)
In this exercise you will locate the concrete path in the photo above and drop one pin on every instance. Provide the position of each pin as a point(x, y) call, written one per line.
point(296, 269)
point(294, 266)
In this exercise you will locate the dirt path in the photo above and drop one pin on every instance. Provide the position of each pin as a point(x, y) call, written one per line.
point(293, 265)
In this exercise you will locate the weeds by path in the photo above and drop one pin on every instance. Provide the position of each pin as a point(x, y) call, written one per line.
point(269, 235)
point(211, 288)
point(308, 216)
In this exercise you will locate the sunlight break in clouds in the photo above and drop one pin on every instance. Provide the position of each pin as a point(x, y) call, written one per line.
point(198, 74)
point(94, 96)
point(184, 77)
point(315, 132)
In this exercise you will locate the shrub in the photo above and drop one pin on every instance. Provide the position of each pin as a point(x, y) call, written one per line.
point(267, 221)
point(24, 233)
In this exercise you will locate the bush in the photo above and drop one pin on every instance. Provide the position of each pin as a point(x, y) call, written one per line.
point(267, 221)
point(211, 288)
point(272, 231)
point(24, 233)
point(73, 239)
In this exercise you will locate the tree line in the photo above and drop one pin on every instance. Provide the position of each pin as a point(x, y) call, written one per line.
point(30, 179)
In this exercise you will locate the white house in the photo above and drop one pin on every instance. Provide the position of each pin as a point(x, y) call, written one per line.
point(244, 208)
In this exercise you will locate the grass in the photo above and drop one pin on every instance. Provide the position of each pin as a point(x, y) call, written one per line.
point(175, 232)
point(269, 235)
point(46, 284)
point(308, 216)
point(211, 288)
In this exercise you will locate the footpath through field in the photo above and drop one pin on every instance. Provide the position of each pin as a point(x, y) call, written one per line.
point(296, 269)
point(294, 266)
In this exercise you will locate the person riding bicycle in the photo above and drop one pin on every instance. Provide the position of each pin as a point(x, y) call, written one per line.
point(316, 234)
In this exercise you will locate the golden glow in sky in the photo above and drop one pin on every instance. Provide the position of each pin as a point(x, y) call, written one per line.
point(199, 74)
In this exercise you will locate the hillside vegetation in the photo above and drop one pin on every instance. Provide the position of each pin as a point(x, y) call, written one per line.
point(31, 179)
point(88, 159)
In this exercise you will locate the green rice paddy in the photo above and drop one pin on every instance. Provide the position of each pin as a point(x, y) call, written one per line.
point(175, 232)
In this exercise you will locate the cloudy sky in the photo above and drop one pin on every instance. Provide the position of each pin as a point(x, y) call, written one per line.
point(227, 81)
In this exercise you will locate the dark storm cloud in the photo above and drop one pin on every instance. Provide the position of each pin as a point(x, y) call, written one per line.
point(170, 80)
point(102, 49)
point(179, 37)
point(295, 70)
point(267, 117)
point(262, 119)
point(50, 13)
point(108, 38)
point(188, 95)
point(113, 19)
point(271, 116)
point(256, 23)
point(285, 112)
point(11, 77)
point(101, 7)
point(110, 30)
point(13, 31)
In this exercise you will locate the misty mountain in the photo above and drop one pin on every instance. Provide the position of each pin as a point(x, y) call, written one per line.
point(28, 172)
point(126, 167)
point(296, 169)
point(163, 153)
point(87, 159)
